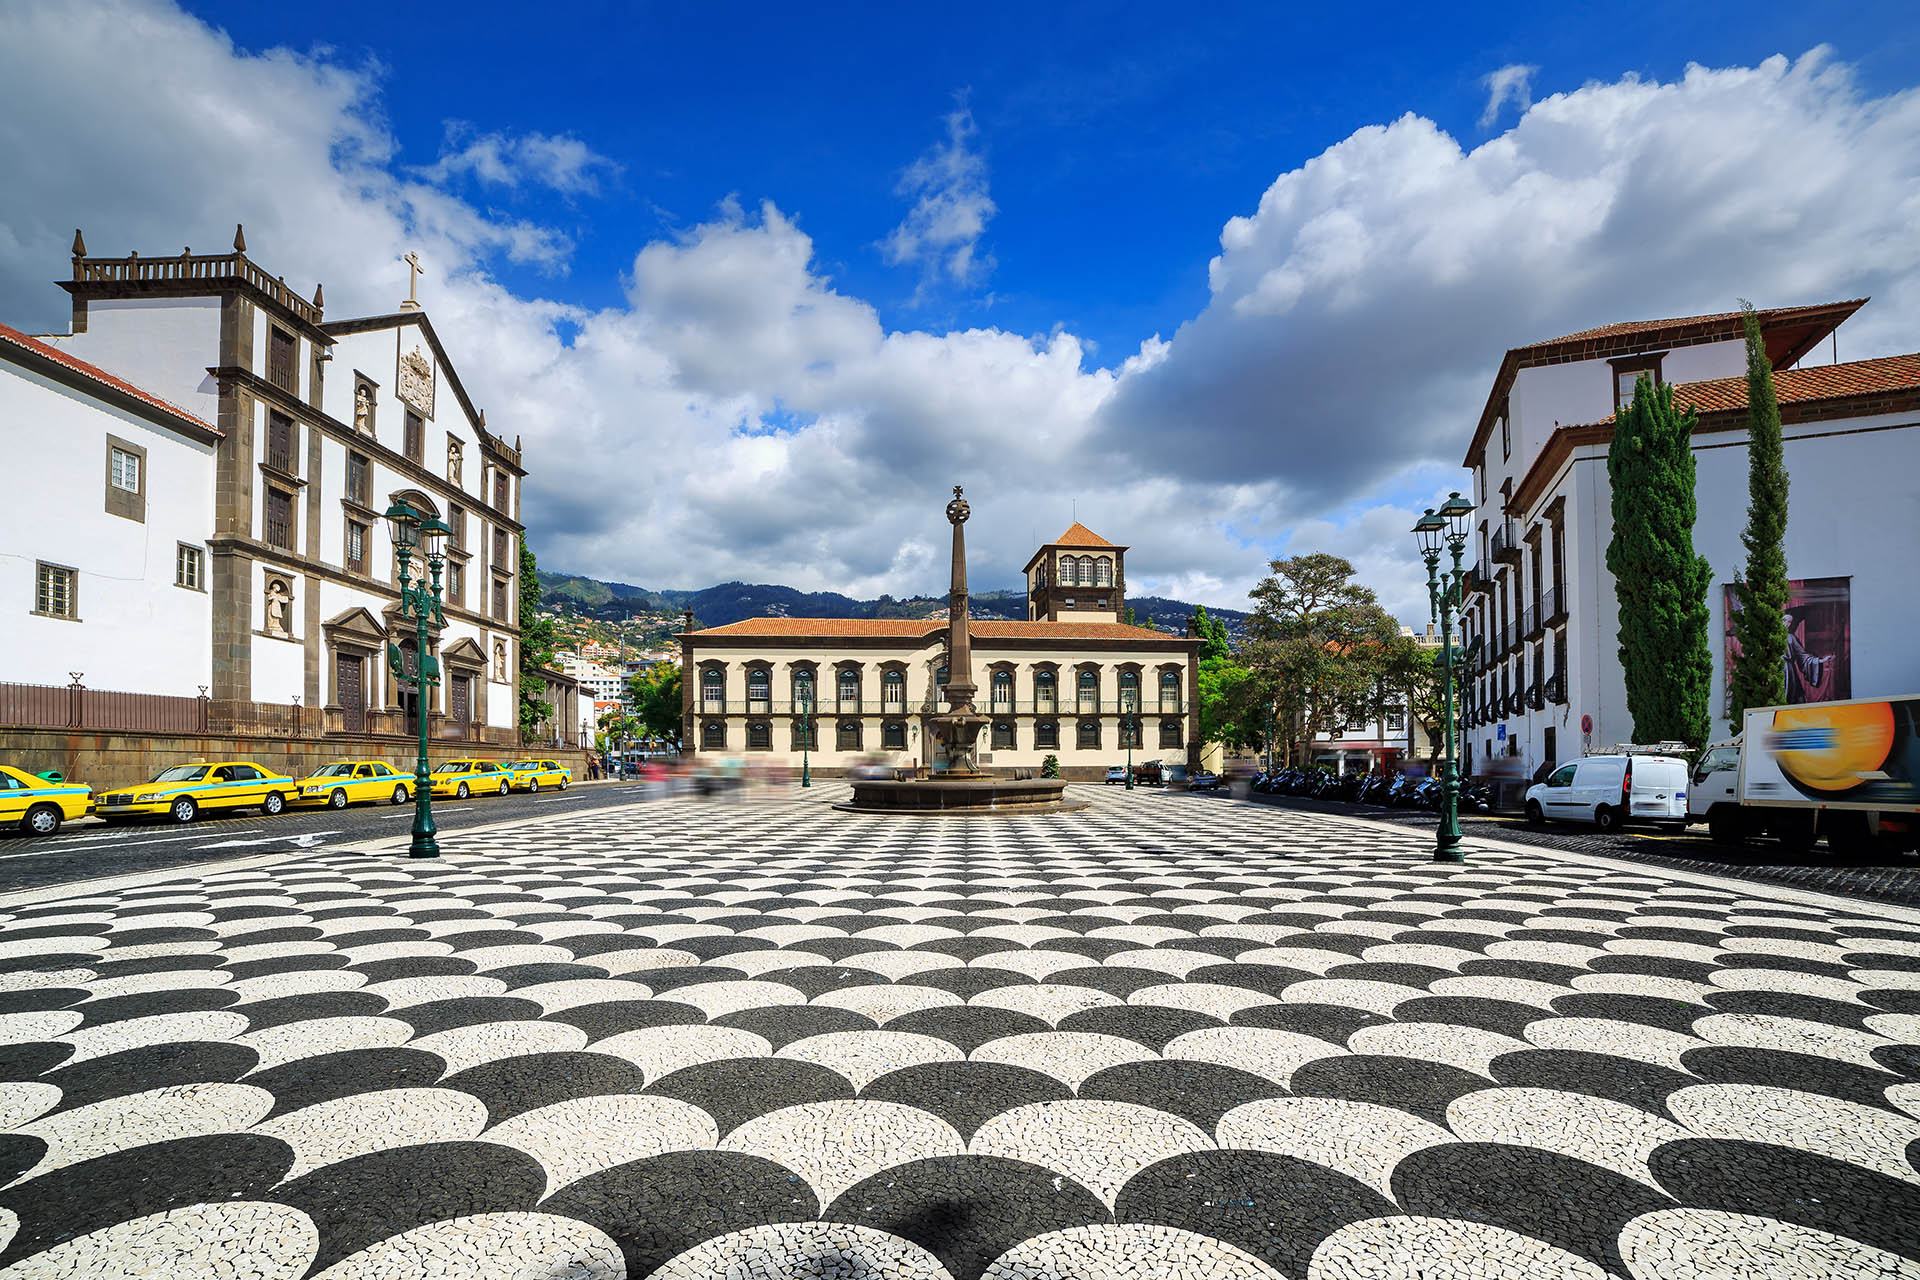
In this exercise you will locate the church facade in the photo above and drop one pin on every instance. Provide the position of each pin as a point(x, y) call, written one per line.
point(239, 557)
point(1070, 681)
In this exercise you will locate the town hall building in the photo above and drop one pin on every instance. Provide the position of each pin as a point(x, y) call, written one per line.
point(1070, 681)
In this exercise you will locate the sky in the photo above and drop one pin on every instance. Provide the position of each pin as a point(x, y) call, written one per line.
point(756, 285)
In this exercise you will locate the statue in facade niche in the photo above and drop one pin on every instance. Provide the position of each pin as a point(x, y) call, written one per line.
point(279, 613)
point(362, 408)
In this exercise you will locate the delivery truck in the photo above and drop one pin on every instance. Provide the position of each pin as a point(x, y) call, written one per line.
point(1846, 772)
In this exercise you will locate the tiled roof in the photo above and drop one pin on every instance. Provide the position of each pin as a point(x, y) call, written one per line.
point(1630, 328)
point(921, 628)
point(95, 373)
point(1078, 535)
point(1822, 382)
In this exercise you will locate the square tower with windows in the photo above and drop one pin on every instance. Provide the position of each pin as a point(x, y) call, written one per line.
point(1080, 576)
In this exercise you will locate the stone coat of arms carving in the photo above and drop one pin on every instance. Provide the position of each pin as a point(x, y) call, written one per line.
point(416, 380)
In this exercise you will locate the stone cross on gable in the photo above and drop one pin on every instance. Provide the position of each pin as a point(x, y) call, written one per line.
point(414, 272)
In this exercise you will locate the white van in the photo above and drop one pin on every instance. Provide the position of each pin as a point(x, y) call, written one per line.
point(1608, 790)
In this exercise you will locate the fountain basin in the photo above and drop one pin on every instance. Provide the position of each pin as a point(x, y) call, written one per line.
point(981, 794)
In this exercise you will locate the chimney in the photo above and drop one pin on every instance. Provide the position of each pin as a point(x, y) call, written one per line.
point(687, 614)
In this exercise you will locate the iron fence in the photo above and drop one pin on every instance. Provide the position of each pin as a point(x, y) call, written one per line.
point(74, 706)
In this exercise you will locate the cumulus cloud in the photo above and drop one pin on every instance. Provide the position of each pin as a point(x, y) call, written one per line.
point(560, 162)
point(736, 414)
point(1357, 315)
point(1511, 83)
point(951, 209)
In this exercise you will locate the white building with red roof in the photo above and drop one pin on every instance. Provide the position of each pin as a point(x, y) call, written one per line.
point(1071, 681)
point(1545, 681)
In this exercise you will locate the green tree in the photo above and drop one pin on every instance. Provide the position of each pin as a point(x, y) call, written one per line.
point(536, 650)
point(1660, 584)
point(655, 695)
point(1212, 633)
point(1321, 646)
point(1758, 678)
point(1232, 707)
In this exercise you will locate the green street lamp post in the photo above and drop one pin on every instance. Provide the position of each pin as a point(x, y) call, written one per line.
point(806, 733)
point(1445, 593)
point(1130, 728)
point(419, 601)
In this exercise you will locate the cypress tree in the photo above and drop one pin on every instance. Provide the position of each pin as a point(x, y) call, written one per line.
point(1660, 584)
point(1758, 678)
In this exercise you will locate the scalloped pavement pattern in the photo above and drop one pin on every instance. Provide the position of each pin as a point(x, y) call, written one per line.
point(773, 1040)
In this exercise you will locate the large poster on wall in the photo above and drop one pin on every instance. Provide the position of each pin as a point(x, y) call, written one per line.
point(1819, 638)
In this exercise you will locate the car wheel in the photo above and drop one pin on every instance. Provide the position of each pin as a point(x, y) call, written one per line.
point(184, 810)
point(338, 800)
point(1607, 818)
point(274, 804)
point(400, 795)
point(563, 784)
point(505, 786)
point(464, 791)
point(41, 820)
point(533, 785)
point(1535, 815)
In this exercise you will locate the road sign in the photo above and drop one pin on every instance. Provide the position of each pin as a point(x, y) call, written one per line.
point(1586, 724)
point(1500, 733)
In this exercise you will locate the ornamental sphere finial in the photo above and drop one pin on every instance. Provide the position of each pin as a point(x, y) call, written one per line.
point(958, 510)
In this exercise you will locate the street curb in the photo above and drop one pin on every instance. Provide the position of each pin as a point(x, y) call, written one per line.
point(1751, 888)
point(375, 844)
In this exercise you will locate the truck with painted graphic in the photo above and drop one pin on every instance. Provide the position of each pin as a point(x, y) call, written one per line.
point(1846, 772)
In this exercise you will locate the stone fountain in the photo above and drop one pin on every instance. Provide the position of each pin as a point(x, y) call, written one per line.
point(961, 787)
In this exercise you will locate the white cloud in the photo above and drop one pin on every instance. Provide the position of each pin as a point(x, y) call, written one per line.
point(951, 209)
point(560, 162)
point(1511, 83)
point(737, 415)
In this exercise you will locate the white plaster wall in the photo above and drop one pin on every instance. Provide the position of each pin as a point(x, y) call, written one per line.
point(1708, 360)
point(279, 666)
point(137, 631)
point(161, 345)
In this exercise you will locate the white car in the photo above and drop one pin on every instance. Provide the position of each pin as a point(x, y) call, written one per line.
point(1608, 790)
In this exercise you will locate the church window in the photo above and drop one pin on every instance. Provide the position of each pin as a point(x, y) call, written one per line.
point(279, 519)
point(713, 736)
point(187, 567)
point(500, 490)
point(416, 438)
point(54, 593)
point(280, 442)
point(893, 735)
point(280, 349)
point(356, 549)
point(1003, 735)
point(1089, 738)
point(847, 737)
point(357, 473)
point(456, 584)
point(1046, 734)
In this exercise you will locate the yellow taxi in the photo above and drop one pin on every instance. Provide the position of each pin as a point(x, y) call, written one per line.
point(37, 805)
point(531, 775)
point(184, 791)
point(461, 778)
point(350, 781)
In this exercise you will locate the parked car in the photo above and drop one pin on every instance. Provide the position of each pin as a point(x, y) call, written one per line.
point(38, 805)
point(1203, 780)
point(461, 778)
point(182, 791)
point(531, 775)
point(1116, 774)
point(1608, 790)
point(352, 781)
point(1148, 773)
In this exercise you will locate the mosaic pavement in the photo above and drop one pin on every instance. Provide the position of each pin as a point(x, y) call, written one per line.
point(1172, 1038)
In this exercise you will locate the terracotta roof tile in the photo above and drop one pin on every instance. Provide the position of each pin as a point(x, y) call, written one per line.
point(922, 628)
point(1078, 535)
point(1822, 382)
point(1627, 328)
point(95, 373)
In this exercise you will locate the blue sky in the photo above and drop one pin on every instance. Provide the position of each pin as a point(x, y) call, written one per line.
point(757, 285)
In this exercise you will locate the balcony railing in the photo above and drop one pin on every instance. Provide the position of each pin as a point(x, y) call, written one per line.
point(1531, 625)
point(1557, 688)
point(1506, 547)
point(1477, 579)
point(1553, 605)
point(1536, 696)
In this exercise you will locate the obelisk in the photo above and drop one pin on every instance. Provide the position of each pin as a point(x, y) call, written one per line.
point(961, 724)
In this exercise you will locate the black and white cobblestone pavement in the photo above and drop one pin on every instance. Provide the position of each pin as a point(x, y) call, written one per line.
point(1159, 1038)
